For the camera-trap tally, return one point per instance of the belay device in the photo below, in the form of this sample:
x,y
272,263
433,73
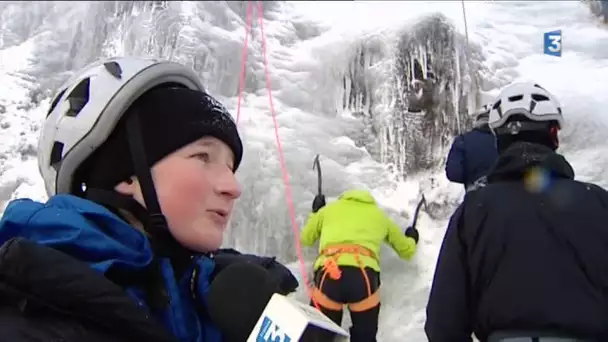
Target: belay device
x,y
319,201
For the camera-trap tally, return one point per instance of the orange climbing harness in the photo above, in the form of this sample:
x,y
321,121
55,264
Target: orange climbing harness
x,y
330,267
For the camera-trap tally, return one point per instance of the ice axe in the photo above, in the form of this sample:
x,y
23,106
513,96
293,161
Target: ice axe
x,y
417,211
317,165
319,201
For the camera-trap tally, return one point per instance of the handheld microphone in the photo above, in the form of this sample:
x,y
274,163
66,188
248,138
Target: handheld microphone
x,y
237,296
244,304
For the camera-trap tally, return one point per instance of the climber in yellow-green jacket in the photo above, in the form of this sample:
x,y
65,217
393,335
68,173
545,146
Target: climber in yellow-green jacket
x,y
350,232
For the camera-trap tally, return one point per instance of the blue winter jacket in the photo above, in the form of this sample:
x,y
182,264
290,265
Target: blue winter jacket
x,y
91,233
471,156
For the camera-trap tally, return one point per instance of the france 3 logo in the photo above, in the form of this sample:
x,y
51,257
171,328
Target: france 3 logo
x,y
553,43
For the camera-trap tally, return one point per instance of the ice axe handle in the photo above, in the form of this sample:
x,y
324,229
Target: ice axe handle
x,y
317,165
319,201
417,211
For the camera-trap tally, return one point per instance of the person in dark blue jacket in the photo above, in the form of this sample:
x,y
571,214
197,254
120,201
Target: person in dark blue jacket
x,y
138,162
473,153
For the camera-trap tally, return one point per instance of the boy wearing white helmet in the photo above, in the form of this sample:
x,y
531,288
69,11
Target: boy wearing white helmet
x,y
138,161
524,258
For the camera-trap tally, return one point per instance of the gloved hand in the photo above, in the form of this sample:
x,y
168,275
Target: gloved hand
x,y
413,233
318,203
286,281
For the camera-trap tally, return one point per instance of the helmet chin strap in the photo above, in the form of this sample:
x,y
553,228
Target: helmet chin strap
x,y
156,224
156,220
152,218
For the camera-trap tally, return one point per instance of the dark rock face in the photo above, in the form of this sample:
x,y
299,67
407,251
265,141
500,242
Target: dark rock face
x,y
599,8
421,100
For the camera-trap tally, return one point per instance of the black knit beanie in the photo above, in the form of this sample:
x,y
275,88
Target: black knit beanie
x,y
170,118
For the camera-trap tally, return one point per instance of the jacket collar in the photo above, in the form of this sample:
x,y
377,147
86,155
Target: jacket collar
x,y
521,157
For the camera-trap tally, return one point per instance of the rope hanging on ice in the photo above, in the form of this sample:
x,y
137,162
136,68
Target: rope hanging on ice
x,y
288,195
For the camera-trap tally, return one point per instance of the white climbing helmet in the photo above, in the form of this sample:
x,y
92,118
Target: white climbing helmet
x,y
527,99
482,115
89,105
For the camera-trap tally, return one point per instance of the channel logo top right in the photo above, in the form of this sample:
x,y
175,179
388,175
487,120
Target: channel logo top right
x,y
553,43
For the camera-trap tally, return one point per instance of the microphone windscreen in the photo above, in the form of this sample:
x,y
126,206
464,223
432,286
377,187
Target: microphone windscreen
x,y
237,297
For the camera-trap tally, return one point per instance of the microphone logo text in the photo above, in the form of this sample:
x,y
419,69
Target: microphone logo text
x,y
270,332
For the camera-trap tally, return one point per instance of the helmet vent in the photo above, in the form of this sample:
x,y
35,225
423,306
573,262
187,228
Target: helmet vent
x,y
515,98
538,86
498,108
114,69
78,98
539,97
55,102
56,153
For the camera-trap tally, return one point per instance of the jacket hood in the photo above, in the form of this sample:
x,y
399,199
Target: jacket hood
x,y
362,196
514,162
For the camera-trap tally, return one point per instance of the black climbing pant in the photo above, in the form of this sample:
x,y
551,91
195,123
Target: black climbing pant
x,y
352,287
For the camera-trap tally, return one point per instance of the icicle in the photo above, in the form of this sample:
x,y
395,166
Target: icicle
x,y
425,65
412,67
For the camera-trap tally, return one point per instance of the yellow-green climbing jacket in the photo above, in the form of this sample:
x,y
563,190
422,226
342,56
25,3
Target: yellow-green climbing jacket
x,y
356,219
